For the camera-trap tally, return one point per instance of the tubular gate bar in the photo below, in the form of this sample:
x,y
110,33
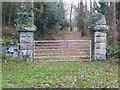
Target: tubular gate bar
x,y
62,50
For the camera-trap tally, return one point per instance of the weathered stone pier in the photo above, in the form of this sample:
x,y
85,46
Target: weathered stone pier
x,y
100,39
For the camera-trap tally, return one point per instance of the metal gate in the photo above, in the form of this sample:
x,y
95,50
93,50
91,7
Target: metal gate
x,y
62,50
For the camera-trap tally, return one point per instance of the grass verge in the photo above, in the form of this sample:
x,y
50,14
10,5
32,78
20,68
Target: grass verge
x,y
59,74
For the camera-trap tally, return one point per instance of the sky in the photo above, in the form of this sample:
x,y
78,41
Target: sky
x,y
75,2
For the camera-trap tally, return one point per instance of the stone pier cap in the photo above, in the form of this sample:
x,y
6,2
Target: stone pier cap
x,y
101,27
27,29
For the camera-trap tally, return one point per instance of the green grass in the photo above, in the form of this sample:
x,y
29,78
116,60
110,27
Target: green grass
x,y
59,74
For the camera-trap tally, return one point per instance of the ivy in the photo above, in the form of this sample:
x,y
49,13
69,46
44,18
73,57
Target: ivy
x,y
104,7
95,18
24,20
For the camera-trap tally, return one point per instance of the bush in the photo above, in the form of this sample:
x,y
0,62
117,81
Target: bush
x,y
113,51
10,59
113,60
26,58
5,41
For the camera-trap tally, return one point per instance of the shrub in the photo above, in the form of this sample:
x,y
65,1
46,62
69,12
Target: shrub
x,y
5,41
113,51
11,59
25,58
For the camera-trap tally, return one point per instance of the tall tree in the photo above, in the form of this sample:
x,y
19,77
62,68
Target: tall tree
x,y
48,16
10,11
71,9
9,22
81,22
86,19
118,19
80,17
112,23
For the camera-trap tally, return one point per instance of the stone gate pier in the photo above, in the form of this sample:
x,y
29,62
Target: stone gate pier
x,y
100,39
25,26
26,41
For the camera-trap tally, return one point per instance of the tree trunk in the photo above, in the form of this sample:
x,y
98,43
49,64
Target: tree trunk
x,y
9,21
4,18
118,20
114,30
71,16
32,3
85,16
91,32
82,29
112,23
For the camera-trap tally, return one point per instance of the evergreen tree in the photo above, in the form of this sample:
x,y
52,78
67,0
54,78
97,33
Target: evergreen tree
x,y
47,15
